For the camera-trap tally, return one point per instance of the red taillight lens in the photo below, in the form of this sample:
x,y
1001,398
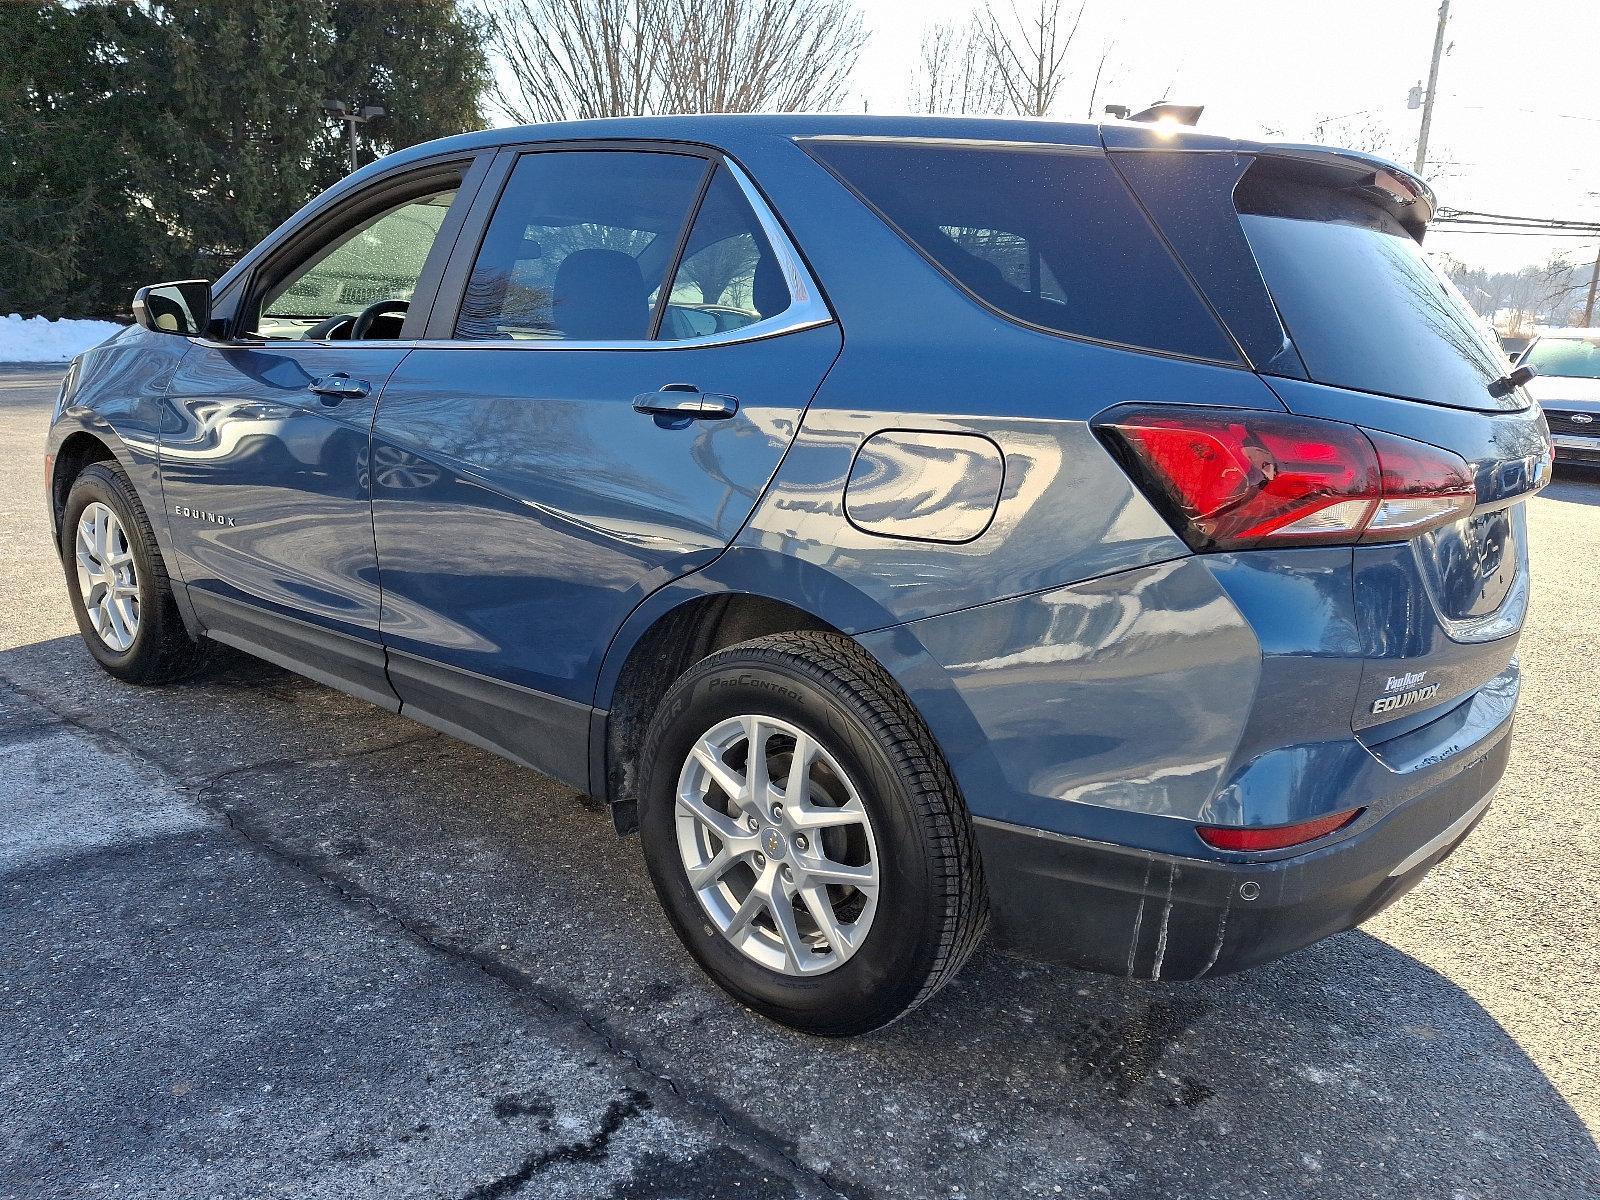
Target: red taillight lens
x,y
1423,486
1274,837
1230,479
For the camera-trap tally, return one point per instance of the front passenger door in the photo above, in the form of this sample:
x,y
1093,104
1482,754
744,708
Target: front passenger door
x,y
265,447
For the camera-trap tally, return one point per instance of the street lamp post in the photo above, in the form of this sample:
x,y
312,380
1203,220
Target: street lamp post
x,y
352,116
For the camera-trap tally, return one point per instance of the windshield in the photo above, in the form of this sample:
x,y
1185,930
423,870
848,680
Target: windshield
x,y
1365,307
1566,357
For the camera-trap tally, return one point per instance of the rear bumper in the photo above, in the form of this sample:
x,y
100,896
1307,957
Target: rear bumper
x,y
1123,911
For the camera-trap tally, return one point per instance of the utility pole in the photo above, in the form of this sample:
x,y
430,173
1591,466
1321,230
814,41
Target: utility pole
x,y
1594,285
340,111
1433,86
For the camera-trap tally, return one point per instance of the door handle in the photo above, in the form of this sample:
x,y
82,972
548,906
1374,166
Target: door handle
x,y
338,386
686,400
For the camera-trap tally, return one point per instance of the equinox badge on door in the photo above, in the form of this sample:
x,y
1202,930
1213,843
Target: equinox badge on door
x,y
201,515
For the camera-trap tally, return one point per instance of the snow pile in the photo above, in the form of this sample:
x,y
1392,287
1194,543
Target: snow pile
x,y
39,339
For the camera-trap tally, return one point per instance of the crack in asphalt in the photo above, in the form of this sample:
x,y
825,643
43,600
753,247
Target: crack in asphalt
x,y
593,1148
439,941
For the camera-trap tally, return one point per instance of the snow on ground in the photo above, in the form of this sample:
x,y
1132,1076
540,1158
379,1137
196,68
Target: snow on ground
x,y
39,339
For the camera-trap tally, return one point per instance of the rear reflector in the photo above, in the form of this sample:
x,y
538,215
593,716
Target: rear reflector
x,y
1231,479
1274,837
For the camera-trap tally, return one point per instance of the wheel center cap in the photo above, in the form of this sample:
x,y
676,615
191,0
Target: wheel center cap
x,y
774,844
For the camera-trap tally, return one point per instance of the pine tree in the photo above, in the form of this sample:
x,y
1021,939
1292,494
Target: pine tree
x,y
163,139
63,210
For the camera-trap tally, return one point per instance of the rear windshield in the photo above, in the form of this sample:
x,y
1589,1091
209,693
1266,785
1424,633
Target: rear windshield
x,y
1566,358
1365,307
1049,237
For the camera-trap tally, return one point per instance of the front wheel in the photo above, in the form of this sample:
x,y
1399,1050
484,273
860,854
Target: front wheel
x,y
120,592
805,837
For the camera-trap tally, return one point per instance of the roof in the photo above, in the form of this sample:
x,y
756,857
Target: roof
x,y
715,128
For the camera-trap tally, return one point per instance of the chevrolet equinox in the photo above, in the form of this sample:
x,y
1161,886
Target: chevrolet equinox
x,y
1107,538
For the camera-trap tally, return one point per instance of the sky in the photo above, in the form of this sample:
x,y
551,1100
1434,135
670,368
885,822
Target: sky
x,y
1516,126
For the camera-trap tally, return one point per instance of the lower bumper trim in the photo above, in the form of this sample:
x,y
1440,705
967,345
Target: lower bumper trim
x,y
1125,911
1457,830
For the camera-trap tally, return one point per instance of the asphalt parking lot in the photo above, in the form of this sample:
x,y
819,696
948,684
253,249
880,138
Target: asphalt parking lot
x,y
261,939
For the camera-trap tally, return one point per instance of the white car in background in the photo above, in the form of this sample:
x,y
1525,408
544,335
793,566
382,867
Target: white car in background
x,y
1567,387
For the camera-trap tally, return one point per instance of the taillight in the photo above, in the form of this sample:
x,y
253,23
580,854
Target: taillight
x,y
1423,487
1232,479
1274,837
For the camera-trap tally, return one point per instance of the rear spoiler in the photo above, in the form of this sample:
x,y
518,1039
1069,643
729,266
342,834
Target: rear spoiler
x,y
1398,191
1401,193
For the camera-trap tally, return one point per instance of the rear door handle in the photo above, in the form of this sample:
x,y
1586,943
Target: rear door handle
x,y
339,386
686,400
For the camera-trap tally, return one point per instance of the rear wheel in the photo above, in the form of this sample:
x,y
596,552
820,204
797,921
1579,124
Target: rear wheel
x,y
120,592
805,837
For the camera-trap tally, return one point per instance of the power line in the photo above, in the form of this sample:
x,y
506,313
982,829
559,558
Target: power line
x,y
1580,234
1456,220
1498,216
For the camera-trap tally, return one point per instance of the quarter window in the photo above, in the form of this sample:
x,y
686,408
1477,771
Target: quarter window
x,y
1047,236
730,277
579,245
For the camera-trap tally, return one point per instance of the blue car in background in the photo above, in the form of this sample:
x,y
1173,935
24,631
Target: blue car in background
x,y
1105,537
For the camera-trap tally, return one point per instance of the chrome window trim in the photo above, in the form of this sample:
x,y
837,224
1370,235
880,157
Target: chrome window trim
x,y
967,142
807,309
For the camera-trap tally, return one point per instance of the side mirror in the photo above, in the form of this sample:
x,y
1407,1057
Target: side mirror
x,y
182,308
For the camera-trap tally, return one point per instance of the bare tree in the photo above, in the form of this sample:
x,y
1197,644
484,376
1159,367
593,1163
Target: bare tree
x,y
564,59
758,55
567,59
1028,50
954,73
1106,50
1563,282
1358,131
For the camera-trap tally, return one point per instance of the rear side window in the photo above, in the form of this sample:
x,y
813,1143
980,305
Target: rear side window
x,y
1365,307
1048,236
579,244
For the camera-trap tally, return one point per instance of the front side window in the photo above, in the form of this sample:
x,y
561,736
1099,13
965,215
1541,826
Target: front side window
x,y
1046,235
1566,357
377,263
580,242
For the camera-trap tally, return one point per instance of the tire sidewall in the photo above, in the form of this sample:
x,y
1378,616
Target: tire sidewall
x,y
98,483
887,971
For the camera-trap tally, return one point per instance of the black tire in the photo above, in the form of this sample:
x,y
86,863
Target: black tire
x,y
161,650
932,906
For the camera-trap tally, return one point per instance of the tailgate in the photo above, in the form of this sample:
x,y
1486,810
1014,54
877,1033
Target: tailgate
x,y
1438,615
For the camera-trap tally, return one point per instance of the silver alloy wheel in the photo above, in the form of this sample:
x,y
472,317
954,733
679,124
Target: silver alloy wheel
x,y
777,845
107,578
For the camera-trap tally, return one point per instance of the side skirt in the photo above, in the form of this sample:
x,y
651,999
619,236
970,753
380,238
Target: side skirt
x,y
338,660
533,729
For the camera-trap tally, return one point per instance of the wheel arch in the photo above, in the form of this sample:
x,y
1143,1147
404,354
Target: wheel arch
x,y
82,437
746,593
668,646
78,450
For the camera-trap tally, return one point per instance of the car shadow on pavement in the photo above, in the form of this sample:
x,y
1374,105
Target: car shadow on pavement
x,y
1574,485
1350,1069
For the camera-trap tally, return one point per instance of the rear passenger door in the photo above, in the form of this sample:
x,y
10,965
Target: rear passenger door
x,y
614,368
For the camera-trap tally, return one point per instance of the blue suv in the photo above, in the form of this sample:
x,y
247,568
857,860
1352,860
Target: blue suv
x,y
1105,537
